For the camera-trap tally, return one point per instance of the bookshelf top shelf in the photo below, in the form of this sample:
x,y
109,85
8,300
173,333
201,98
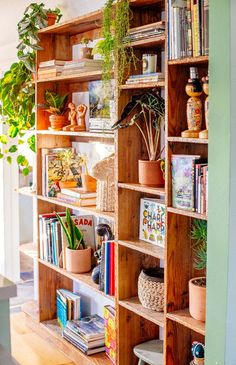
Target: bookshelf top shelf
x,y
77,25
75,77
189,60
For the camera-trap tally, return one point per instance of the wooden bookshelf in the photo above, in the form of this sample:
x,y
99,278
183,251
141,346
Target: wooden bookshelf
x,y
89,135
189,61
144,247
73,78
183,317
142,189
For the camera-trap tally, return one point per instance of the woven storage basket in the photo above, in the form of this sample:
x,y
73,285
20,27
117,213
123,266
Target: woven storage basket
x,y
151,289
104,172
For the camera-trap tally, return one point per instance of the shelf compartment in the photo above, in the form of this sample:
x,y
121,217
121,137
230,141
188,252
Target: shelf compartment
x,y
189,60
77,25
142,189
187,140
77,134
89,210
144,247
134,305
187,213
143,86
149,42
53,331
84,279
183,317
76,77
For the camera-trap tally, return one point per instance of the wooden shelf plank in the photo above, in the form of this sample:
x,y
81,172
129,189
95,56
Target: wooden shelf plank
x,y
143,86
145,2
77,134
75,77
187,140
149,42
134,305
89,210
183,317
54,332
189,60
77,25
27,192
85,279
142,189
144,247
187,213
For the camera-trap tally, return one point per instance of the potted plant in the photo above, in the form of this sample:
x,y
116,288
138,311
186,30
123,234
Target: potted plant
x,y
56,105
197,286
147,112
53,16
78,255
85,51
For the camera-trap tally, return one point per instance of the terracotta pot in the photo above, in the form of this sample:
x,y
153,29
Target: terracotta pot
x,y
89,183
67,184
51,19
57,122
150,173
197,299
86,52
78,261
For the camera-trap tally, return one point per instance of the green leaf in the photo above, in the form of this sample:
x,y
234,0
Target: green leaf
x,y
65,230
13,149
20,159
9,160
3,139
1,155
13,131
25,171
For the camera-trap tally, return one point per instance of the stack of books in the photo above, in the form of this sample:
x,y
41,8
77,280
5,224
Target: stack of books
x,y
146,78
53,240
188,28
68,306
107,273
146,31
83,65
87,334
77,197
50,68
190,183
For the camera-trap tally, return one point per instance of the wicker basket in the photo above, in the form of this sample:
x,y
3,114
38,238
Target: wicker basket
x,y
151,289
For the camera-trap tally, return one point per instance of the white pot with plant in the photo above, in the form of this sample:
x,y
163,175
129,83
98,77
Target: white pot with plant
x,y
197,285
147,113
78,255
85,51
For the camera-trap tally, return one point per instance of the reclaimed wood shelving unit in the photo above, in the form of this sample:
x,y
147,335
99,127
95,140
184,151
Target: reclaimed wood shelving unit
x,y
135,324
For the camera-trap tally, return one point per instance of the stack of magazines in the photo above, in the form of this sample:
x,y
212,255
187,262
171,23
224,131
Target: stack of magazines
x,y
145,31
87,334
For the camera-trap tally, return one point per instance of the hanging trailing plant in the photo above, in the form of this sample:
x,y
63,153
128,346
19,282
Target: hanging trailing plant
x,y
114,47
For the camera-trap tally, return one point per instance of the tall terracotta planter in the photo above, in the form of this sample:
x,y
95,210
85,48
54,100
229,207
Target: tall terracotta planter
x,y
51,19
78,261
150,173
197,299
57,122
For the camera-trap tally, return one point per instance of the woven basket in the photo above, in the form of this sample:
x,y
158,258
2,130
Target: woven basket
x,y
151,289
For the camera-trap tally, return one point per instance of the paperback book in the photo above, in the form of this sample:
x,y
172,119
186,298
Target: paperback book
x,y
110,332
68,306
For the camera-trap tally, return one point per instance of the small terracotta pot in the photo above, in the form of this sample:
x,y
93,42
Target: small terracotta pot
x,y
150,173
67,184
89,183
57,122
86,52
78,261
51,19
197,299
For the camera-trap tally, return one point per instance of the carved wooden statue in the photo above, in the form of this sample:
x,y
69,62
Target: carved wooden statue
x,y
80,112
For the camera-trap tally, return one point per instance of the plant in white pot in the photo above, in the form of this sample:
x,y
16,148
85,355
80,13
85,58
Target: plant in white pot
x,y
78,255
197,286
147,113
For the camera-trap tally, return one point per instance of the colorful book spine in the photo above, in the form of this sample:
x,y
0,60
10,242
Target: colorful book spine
x,y
205,27
110,332
189,30
107,268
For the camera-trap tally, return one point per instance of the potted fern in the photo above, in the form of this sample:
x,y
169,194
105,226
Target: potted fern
x,y
147,112
56,105
78,255
197,286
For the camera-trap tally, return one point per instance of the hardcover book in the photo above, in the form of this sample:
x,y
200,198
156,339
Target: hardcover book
x,y
152,221
183,184
110,332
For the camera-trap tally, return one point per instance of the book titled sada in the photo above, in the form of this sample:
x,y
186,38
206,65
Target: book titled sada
x,y
152,221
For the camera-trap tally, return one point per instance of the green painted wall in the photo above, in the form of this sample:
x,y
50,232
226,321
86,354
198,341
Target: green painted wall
x,y
219,181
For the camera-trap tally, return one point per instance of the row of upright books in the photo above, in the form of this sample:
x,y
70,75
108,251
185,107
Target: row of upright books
x,y
190,183
53,68
188,28
107,268
53,241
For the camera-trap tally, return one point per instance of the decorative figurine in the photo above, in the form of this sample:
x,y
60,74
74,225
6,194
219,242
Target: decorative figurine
x,y
72,117
75,126
205,80
198,351
82,110
194,105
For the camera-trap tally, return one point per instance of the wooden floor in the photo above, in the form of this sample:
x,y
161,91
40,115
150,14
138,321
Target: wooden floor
x,y
28,348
